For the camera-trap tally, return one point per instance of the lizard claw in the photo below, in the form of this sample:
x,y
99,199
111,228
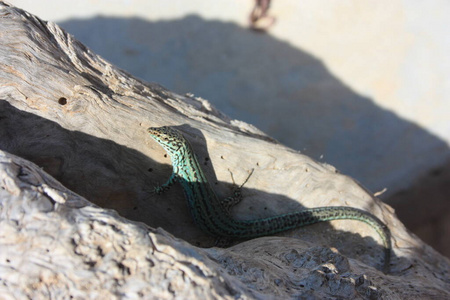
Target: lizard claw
x,y
159,189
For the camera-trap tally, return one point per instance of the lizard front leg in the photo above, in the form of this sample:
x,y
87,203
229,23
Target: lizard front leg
x,y
159,189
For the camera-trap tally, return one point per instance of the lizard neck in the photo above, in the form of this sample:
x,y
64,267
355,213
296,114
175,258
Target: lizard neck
x,y
186,166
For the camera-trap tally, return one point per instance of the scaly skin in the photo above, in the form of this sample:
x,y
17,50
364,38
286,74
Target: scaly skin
x,y
213,216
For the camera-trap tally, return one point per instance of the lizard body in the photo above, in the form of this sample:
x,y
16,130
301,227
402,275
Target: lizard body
x,y
213,216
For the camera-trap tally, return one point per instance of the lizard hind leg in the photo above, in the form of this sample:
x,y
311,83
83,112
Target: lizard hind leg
x,y
224,242
237,197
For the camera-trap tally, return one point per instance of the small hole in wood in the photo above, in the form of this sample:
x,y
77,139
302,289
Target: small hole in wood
x,y
62,101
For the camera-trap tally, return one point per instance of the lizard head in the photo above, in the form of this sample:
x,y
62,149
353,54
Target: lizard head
x,y
169,138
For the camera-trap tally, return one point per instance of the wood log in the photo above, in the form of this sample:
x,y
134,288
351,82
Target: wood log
x,y
78,212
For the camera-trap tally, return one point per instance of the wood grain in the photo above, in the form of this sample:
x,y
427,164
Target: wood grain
x,y
83,122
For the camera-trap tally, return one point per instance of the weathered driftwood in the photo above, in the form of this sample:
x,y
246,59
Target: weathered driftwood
x,y
84,122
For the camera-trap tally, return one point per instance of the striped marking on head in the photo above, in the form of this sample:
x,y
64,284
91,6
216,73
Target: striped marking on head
x,y
169,138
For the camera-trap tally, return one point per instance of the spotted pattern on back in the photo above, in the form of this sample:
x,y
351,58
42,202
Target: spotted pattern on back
x,y
213,217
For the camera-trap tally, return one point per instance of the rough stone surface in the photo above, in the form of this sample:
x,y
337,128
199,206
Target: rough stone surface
x,y
83,121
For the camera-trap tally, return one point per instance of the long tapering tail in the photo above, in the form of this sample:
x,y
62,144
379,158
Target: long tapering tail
x,y
276,224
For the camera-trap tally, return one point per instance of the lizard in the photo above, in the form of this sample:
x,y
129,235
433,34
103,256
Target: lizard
x,y
213,216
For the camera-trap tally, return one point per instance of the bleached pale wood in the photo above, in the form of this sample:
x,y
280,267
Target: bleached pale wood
x,y
56,245
84,122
